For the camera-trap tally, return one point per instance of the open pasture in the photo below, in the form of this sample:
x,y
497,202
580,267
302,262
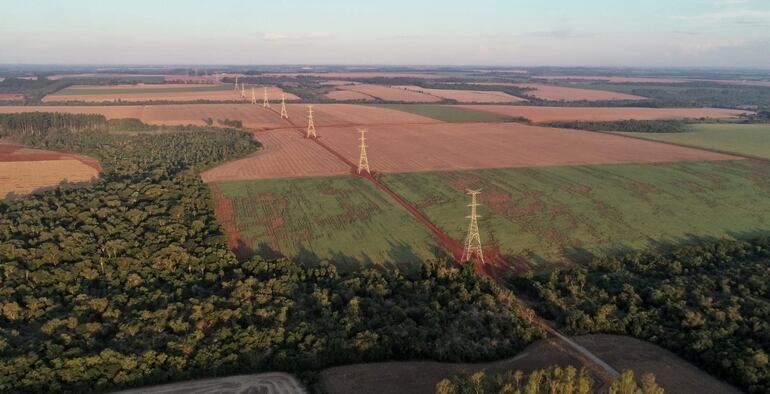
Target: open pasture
x,y
466,96
743,139
23,170
345,219
558,214
554,114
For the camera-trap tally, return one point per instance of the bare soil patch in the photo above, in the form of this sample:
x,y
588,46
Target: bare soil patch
x,y
10,96
388,93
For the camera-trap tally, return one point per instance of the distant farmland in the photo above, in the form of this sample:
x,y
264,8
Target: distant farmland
x,y
344,219
165,92
745,139
556,213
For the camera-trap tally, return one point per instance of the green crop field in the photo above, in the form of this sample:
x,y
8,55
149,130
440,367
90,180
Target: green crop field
x,y
556,214
341,218
78,92
448,113
746,139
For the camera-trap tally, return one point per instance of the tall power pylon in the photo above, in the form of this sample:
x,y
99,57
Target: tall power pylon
x,y
284,113
253,96
235,87
243,90
363,160
473,240
310,125
266,101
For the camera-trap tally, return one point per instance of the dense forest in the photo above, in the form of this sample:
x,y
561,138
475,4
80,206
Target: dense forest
x,y
554,379
709,303
129,281
643,126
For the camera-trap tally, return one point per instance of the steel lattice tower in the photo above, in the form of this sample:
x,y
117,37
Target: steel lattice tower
x,y
243,90
266,102
284,113
235,87
310,125
473,240
253,96
363,160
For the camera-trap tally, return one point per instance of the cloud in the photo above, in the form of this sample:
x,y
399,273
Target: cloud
x,y
735,16
565,33
269,36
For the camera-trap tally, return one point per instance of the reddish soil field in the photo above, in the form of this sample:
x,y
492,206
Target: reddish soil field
x,y
273,93
345,95
253,116
23,170
553,114
285,154
447,147
388,93
467,96
10,96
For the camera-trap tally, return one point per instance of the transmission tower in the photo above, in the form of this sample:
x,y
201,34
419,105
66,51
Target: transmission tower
x,y
235,87
253,96
363,161
310,125
266,102
284,113
243,90
473,240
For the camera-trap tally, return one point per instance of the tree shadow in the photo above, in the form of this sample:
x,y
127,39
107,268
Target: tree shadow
x,y
242,250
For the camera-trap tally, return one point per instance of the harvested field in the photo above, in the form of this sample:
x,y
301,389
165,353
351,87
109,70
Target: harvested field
x,y
11,96
387,93
612,79
467,96
345,95
446,147
554,114
166,92
253,116
417,377
346,220
284,154
743,139
23,170
557,215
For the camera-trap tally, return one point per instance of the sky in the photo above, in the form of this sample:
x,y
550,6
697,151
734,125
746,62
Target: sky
x,y
639,33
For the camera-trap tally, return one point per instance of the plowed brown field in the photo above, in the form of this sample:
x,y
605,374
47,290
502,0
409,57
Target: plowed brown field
x,y
10,96
467,96
553,114
23,170
285,154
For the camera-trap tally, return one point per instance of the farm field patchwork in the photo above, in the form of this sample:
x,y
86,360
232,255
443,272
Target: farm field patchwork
x,y
341,218
446,113
553,114
467,96
560,93
745,139
23,170
167,92
543,215
388,93
253,116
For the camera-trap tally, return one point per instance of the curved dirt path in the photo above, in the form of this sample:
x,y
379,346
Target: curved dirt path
x,y
264,383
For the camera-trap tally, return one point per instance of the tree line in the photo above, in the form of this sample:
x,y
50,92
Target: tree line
x,y
128,281
550,380
640,126
709,303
